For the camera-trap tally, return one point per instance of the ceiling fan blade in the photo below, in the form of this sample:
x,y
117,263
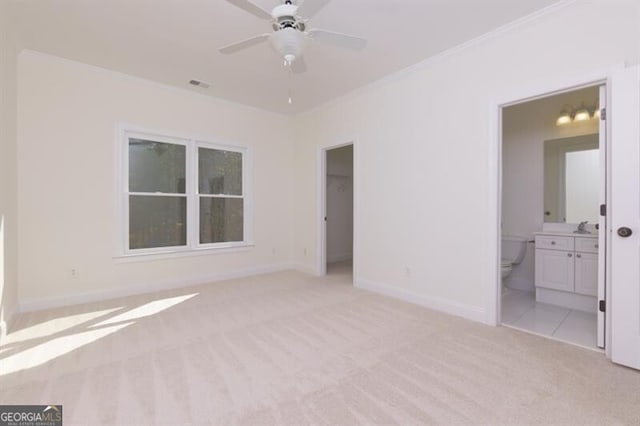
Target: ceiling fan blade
x,y
236,47
308,8
338,39
252,8
299,66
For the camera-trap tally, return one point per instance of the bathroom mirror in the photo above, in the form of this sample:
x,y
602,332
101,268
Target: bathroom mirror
x,y
571,179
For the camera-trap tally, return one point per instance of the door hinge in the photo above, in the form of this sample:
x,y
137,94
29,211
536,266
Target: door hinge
x,y
602,306
603,209
603,114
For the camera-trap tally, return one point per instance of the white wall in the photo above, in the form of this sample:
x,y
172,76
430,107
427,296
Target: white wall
x,y
425,184
340,204
67,118
525,129
8,176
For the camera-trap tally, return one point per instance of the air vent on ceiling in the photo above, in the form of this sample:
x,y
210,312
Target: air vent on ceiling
x,y
199,83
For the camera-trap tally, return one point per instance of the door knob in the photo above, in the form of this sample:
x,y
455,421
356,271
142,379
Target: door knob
x,y
625,232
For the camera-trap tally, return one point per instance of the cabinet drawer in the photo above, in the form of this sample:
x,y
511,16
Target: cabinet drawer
x,y
554,242
587,245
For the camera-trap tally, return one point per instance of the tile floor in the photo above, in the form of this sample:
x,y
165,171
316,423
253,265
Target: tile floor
x,y
520,310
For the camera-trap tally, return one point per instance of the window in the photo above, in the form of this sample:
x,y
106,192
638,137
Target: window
x,y
183,194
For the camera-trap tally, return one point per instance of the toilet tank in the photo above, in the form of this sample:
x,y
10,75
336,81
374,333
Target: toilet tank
x,y
514,248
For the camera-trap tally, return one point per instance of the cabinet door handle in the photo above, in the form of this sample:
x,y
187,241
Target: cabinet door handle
x,y
578,256
597,245
553,243
569,254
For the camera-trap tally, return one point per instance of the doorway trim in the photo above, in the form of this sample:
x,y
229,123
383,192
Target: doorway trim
x,y
493,293
321,252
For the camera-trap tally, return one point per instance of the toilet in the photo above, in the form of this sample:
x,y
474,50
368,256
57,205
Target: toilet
x,y
513,250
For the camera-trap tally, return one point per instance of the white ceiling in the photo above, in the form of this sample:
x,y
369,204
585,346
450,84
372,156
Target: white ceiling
x,y
174,41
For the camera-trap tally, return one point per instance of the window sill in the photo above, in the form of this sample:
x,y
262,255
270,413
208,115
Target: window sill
x,y
173,254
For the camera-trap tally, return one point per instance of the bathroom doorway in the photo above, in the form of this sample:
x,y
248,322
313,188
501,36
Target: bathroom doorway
x,y
552,251
338,206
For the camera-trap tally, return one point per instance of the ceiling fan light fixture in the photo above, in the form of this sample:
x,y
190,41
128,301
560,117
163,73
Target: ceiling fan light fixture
x,y
289,43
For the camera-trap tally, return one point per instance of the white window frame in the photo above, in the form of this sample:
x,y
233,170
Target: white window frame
x,y
193,245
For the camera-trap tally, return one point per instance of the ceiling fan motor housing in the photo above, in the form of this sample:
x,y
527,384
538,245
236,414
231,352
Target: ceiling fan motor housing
x,y
284,10
285,16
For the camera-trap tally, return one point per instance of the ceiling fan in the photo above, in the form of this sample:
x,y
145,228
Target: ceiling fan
x,y
290,33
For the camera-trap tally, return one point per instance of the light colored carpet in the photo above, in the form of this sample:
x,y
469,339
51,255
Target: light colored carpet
x,y
291,349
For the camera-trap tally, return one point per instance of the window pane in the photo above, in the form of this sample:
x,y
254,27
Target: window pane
x,y
221,220
156,167
157,221
219,172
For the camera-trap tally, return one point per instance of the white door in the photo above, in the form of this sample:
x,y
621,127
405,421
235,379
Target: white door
x,y
624,209
603,221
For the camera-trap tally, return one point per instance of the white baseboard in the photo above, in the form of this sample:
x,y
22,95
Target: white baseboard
x,y
339,257
469,312
579,302
38,304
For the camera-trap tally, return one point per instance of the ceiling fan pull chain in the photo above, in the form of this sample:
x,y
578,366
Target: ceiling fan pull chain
x,y
290,100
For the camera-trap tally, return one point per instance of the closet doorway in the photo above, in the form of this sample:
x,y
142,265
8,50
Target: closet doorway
x,y
337,220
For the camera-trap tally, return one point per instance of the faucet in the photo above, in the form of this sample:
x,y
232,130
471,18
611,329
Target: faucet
x,y
581,228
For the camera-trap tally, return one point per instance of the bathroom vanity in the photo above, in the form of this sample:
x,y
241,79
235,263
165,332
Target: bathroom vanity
x,y
566,269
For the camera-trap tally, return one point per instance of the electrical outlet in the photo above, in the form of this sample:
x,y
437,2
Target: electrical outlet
x,y
74,273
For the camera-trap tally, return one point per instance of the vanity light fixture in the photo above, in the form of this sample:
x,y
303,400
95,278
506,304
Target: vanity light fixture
x,y
582,113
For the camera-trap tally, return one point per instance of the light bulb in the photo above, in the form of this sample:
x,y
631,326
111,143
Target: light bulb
x,y
564,118
582,115
290,100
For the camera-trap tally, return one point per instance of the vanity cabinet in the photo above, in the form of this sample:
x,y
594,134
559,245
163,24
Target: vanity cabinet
x,y
567,263
586,274
555,269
